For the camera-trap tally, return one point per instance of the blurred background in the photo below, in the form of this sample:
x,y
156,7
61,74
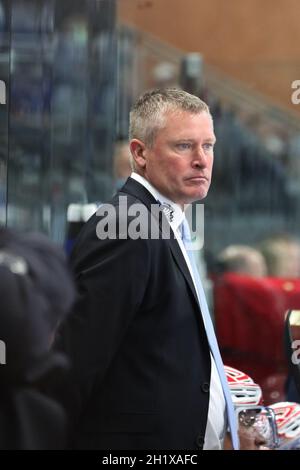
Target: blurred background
x,y
72,69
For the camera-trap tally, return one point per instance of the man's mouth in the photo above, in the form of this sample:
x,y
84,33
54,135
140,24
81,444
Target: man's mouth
x,y
198,179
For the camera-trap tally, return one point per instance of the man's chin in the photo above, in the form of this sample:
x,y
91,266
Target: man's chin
x,y
195,198
200,195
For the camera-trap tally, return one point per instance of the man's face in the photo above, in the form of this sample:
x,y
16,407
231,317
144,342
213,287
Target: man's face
x,y
251,439
179,163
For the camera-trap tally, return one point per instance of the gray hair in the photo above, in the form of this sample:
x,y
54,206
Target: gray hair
x,y
242,259
147,115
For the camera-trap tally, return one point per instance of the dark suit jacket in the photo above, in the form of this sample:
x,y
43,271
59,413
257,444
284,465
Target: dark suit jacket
x,y
137,341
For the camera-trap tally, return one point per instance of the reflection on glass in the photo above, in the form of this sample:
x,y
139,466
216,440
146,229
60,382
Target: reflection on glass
x,y
62,71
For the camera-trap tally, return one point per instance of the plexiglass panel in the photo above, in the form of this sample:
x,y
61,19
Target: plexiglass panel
x,y
62,119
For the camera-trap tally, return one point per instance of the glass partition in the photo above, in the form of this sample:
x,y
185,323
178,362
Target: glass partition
x,y
62,109
70,70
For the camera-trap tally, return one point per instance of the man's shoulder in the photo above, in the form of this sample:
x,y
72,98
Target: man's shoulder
x,y
119,206
112,221
131,215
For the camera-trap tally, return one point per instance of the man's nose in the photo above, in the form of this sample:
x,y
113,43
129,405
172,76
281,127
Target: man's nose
x,y
199,158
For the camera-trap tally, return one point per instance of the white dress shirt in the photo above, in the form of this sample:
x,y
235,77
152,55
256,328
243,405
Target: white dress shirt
x,y
216,421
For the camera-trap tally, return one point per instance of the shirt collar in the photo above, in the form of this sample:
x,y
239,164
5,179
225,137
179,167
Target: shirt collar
x,y
173,209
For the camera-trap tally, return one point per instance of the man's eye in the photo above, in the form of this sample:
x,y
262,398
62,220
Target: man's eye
x,y
247,418
208,146
184,146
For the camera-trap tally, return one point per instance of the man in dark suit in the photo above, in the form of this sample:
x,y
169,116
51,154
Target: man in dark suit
x,y
144,374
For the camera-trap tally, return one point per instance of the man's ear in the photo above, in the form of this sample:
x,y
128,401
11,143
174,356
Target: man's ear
x,y
138,151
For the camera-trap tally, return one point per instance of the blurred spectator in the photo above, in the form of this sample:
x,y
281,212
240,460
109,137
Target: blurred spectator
x,y
245,172
191,73
242,259
36,293
71,51
249,313
282,255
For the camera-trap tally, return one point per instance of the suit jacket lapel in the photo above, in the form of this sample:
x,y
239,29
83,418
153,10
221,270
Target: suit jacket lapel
x,y
137,190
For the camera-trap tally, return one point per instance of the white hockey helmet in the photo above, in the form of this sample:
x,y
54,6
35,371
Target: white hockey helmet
x,y
287,416
244,391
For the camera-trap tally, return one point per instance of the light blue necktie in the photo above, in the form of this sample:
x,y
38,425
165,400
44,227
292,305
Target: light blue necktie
x,y
232,421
